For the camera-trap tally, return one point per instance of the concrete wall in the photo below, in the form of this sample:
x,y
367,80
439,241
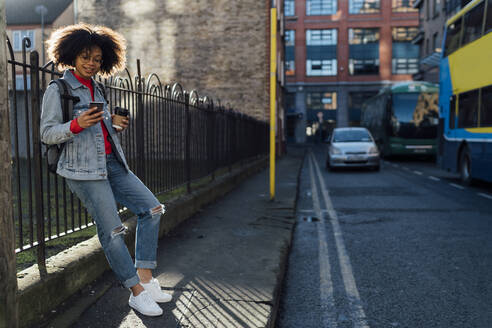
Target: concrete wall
x,y
216,47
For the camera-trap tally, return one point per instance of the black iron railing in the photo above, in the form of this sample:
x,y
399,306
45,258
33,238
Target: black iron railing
x,y
175,137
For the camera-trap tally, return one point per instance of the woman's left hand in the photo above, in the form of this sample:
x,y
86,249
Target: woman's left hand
x,y
120,121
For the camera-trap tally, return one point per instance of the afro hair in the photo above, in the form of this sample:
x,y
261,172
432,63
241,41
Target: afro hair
x,y
66,43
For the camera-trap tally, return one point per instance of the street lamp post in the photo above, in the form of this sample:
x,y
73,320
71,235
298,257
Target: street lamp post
x,y
273,96
42,10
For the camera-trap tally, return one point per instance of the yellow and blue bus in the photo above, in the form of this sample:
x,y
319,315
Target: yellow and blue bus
x,y
465,97
403,118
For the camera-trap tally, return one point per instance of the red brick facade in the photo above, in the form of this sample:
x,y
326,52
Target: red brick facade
x,y
300,85
342,21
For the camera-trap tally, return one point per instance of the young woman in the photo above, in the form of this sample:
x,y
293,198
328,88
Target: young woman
x,y
93,163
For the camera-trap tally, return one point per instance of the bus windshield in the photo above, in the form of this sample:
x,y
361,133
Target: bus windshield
x,y
416,108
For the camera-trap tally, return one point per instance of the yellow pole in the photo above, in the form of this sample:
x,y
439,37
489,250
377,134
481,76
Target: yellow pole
x,y
273,96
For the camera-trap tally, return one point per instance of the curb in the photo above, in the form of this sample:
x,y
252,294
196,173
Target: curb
x,y
76,267
284,256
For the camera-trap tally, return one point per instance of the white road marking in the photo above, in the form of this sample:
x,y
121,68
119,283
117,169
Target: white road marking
x,y
417,172
328,309
405,168
356,311
311,211
434,178
484,195
457,186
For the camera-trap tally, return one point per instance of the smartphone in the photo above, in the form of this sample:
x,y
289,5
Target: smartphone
x,y
98,104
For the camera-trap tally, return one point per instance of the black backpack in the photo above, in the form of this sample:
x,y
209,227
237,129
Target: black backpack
x,y
54,151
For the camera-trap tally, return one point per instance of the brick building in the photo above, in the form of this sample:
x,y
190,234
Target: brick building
x,y
220,48
339,53
433,15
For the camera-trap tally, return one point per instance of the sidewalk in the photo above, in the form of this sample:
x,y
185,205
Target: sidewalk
x,y
223,267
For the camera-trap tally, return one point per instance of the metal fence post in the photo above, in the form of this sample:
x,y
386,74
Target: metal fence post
x,y
187,142
38,178
232,142
201,137
213,138
140,117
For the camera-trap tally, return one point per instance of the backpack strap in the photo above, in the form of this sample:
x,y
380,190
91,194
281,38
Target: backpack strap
x,y
102,88
67,99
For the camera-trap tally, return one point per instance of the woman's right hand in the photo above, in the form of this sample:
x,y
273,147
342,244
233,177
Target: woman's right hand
x,y
90,117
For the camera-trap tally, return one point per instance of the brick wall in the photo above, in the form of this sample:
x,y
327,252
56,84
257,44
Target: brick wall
x,y
216,47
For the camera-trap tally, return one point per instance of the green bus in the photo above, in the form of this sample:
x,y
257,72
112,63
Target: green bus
x,y
403,118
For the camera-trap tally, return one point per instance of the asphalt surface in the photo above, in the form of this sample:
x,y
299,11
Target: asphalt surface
x,y
413,249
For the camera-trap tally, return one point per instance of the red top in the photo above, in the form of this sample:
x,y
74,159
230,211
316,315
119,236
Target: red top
x,y
76,128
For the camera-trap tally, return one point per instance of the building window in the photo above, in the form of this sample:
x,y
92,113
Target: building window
x,y
321,7
321,111
290,36
19,82
452,7
289,8
19,35
321,100
436,8
321,52
435,43
405,54
403,6
290,102
364,6
363,51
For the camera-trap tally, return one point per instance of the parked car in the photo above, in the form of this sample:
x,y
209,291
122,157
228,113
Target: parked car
x,y
352,147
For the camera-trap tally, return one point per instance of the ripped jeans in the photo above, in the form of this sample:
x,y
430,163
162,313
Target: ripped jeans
x,y
100,197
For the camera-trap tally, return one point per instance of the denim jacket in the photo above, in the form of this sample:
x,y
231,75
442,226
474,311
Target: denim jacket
x,y
84,156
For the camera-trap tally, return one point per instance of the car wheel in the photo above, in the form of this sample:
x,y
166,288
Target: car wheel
x,y
465,167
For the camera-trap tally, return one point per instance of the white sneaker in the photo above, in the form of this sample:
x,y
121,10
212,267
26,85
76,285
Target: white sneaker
x,y
154,289
144,304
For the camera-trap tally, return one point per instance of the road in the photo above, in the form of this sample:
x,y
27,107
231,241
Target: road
x,y
408,246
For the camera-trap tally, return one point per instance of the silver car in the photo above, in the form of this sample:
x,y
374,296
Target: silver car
x,y
352,147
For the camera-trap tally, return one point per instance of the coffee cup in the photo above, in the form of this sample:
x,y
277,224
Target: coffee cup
x,y
120,114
